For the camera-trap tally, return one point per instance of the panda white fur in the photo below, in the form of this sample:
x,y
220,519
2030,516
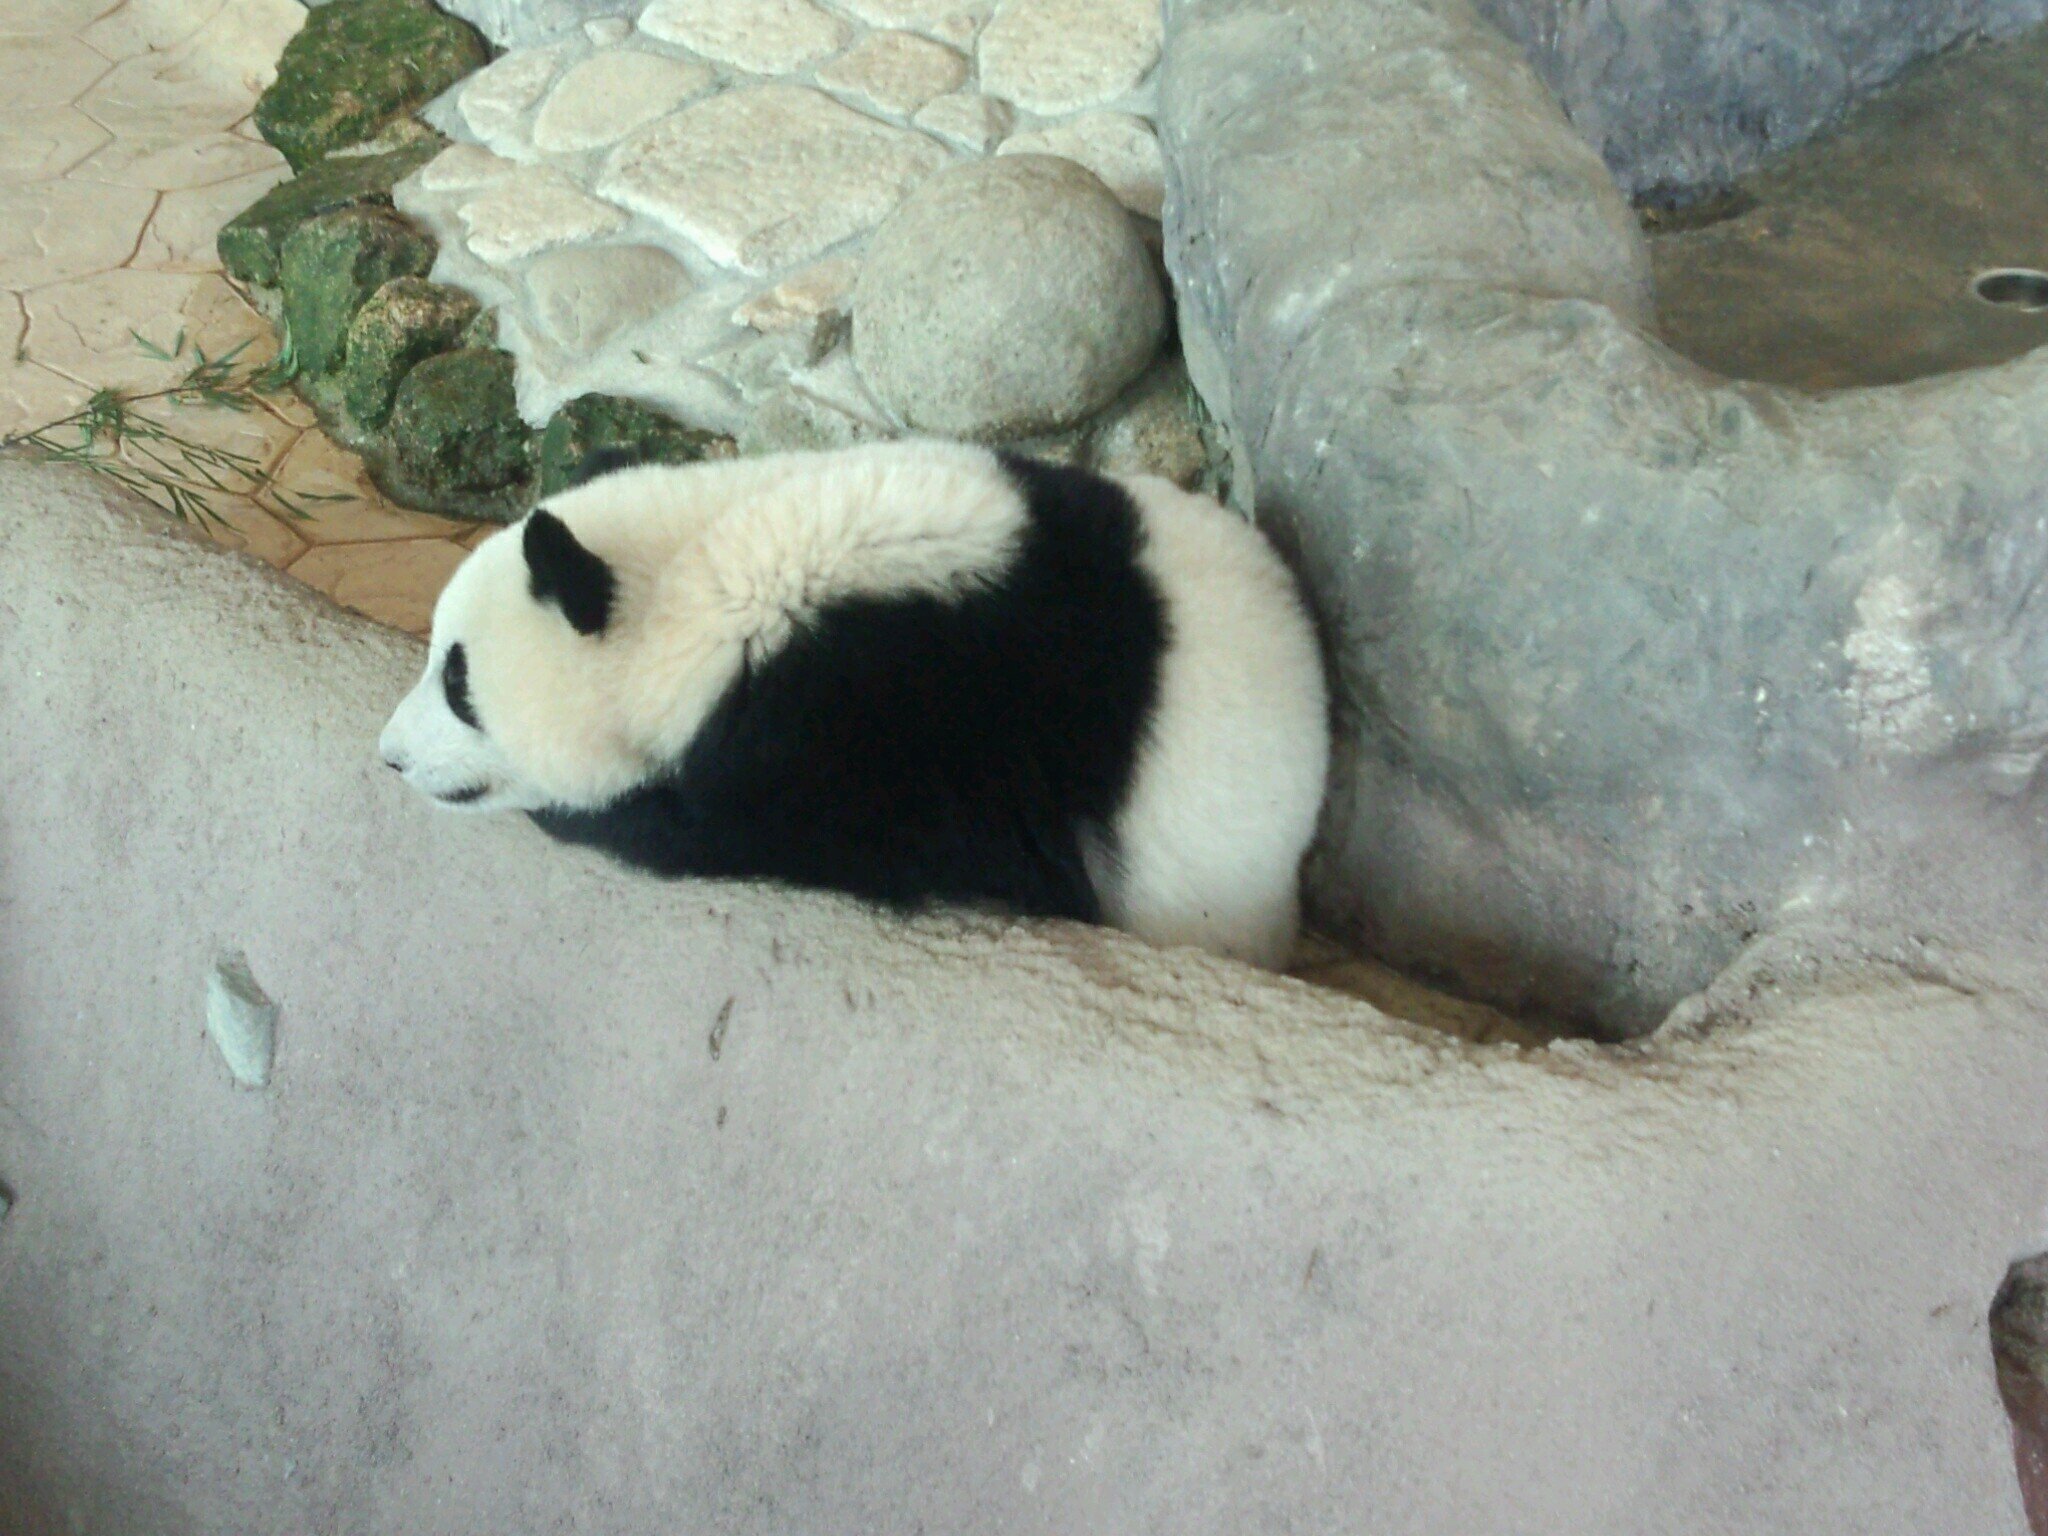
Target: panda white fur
x,y
916,672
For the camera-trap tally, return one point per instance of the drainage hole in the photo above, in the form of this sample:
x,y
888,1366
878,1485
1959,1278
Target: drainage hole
x,y
2019,288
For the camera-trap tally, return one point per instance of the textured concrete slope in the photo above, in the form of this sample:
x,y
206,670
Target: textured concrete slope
x,y
578,1203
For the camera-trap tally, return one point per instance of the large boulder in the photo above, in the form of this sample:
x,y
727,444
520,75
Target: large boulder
x,y
329,267
1006,297
356,65
1630,659
251,244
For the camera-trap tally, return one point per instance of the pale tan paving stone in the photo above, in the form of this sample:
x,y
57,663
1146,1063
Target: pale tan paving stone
x,y
1120,149
43,144
768,176
240,524
606,97
51,18
393,583
539,211
88,328
496,98
167,94
148,26
1060,56
59,231
181,233
931,16
463,167
318,467
38,73
968,119
802,298
178,162
894,72
32,396
763,37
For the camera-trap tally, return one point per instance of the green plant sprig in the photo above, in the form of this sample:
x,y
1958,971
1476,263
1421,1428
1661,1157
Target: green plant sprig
x,y
176,472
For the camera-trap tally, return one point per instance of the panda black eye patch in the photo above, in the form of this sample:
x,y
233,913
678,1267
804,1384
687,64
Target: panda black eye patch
x,y
455,684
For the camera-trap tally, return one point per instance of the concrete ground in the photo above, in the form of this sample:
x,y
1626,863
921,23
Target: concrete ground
x,y
1848,260
125,143
580,1202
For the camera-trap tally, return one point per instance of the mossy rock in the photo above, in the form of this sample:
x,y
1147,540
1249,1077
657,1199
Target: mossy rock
x,y
405,322
251,243
454,439
328,269
354,66
607,431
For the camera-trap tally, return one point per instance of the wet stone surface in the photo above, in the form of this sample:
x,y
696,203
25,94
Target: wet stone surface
x,y
1849,260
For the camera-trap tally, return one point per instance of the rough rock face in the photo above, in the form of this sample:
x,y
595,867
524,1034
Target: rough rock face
x,y
1629,659
354,66
329,267
405,322
1685,91
251,241
1006,296
456,437
604,423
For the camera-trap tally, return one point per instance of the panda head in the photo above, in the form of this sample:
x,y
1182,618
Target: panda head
x,y
524,703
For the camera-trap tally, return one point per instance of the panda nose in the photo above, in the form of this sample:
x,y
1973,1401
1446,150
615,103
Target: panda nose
x,y
395,764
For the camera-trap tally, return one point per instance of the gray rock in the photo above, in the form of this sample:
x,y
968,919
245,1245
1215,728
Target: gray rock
x,y
241,1020
1687,91
791,419
1155,429
1628,658
1006,297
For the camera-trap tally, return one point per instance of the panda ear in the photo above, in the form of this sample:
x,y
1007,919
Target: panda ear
x,y
563,572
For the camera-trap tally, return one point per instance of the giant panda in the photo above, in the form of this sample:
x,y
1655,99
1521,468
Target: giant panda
x,y
917,672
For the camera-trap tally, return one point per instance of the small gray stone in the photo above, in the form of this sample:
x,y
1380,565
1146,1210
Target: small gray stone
x,y
1006,297
792,420
242,1021
585,296
969,119
1152,430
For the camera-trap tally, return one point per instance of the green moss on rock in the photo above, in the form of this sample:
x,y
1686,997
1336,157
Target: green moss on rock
x,y
251,243
455,439
354,66
404,323
328,269
622,430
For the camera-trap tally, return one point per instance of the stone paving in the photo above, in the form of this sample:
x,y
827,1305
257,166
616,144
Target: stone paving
x,y
125,144
676,209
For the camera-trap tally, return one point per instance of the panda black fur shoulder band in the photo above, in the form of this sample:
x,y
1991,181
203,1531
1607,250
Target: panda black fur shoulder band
x,y
915,672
